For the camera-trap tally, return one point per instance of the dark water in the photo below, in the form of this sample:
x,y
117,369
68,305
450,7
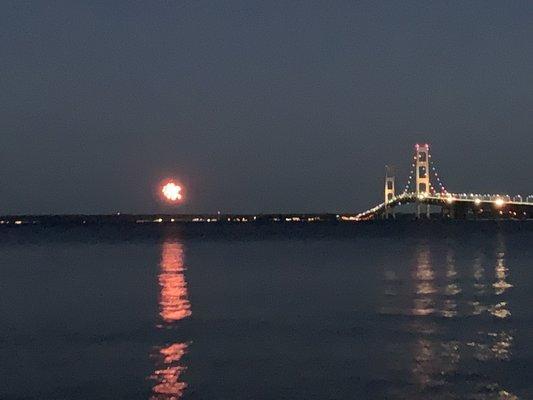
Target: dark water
x,y
429,311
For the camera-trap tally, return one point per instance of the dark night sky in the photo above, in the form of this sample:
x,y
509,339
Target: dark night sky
x,y
258,105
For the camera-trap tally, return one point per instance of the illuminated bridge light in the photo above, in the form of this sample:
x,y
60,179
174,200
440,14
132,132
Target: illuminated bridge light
x,y
477,201
499,202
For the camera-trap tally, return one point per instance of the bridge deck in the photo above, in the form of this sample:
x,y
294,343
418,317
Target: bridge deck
x,y
494,202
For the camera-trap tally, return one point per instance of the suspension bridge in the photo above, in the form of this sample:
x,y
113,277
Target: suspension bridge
x,y
425,189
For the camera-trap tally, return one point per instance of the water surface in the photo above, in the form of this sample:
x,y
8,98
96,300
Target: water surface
x,y
384,312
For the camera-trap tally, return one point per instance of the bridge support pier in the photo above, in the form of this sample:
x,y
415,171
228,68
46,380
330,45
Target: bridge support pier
x,y
447,212
419,212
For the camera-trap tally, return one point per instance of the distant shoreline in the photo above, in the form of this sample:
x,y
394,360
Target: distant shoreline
x,y
256,219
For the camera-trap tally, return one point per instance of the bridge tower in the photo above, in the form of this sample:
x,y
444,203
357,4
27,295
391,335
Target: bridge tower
x,y
422,176
390,192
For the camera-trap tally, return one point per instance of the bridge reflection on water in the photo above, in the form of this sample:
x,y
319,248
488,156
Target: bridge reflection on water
x,y
458,334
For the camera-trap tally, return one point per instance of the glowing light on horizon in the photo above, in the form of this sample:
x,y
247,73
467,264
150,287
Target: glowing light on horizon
x,y
172,192
499,202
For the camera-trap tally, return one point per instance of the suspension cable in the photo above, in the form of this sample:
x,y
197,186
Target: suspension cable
x,y
437,177
411,174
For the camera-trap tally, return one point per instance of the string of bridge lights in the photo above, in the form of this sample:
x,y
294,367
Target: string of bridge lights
x,y
434,170
411,174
